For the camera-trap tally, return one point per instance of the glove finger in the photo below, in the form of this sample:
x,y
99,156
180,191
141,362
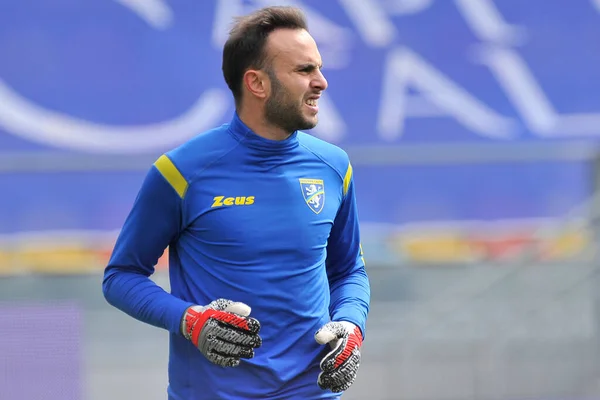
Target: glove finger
x,y
222,360
219,304
324,381
341,378
327,380
226,333
234,307
214,329
230,349
238,308
242,323
324,336
330,331
331,359
342,387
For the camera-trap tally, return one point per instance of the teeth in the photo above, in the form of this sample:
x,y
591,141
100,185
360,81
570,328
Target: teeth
x,y
311,102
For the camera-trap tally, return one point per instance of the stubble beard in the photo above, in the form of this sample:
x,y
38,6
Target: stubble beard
x,y
282,111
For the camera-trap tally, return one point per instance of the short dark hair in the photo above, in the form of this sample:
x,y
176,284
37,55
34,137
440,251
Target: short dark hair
x,y
245,47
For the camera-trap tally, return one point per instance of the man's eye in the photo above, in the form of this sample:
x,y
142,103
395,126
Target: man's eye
x,y
307,69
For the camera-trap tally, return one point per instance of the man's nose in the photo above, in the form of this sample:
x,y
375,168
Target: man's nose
x,y
320,82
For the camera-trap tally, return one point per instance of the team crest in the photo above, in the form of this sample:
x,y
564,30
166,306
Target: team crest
x,y
313,191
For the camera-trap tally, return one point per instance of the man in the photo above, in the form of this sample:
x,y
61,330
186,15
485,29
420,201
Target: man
x,y
259,217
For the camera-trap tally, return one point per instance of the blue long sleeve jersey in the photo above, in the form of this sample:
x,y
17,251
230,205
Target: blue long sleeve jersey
x,y
272,224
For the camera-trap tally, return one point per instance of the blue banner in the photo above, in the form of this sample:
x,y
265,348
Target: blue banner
x,y
127,77
124,78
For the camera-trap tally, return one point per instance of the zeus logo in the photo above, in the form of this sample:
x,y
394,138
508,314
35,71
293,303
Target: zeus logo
x,y
219,201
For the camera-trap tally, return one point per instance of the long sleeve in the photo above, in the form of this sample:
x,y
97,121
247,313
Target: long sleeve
x,y
153,223
348,281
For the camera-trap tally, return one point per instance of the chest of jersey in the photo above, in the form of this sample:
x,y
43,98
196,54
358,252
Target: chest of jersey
x,y
284,211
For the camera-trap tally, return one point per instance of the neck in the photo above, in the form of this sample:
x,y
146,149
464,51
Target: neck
x,y
255,120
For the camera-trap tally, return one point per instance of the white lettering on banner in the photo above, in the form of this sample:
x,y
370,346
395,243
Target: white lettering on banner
x,y
405,7
521,88
411,87
371,21
25,119
487,23
481,16
529,99
156,13
439,97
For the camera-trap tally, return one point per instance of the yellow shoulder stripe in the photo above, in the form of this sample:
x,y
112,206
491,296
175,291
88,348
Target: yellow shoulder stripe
x,y
170,172
362,254
347,178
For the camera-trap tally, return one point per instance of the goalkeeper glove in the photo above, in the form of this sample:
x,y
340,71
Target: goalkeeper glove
x,y
222,331
340,365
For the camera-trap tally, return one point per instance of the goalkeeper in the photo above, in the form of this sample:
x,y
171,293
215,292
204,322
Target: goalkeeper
x,y
269,294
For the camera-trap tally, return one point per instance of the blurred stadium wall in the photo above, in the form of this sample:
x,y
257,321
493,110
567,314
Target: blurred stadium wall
x,y
473,128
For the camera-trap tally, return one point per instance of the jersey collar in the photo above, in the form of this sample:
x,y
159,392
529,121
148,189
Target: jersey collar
x,y
242,133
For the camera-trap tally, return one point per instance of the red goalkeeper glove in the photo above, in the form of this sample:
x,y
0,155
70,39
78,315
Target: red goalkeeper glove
x,y
340,365
222,331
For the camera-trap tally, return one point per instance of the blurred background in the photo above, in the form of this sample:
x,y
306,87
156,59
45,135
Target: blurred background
x,y
473,127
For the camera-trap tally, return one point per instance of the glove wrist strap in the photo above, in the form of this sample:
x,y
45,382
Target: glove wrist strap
x,y
190,321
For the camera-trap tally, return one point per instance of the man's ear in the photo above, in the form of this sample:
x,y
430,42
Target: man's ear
x,y
257,83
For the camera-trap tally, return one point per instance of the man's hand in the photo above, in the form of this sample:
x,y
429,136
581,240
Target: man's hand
x,y
340,365
222,331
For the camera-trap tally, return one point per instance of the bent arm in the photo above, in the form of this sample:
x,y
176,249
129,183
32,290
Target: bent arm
x,y
348,280
153,223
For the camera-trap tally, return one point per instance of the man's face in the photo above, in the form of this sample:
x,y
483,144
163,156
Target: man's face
x,y
296,80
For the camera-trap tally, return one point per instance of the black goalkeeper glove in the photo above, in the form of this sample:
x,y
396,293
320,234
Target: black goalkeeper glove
x,y
222,331
340,365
